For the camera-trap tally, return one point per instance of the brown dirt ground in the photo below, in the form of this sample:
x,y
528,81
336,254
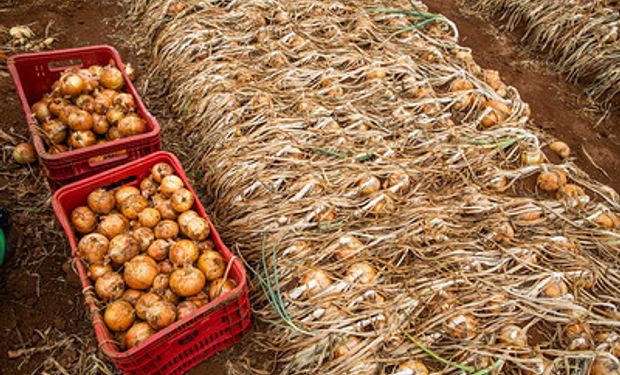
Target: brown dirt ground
x,y
558,107
40,296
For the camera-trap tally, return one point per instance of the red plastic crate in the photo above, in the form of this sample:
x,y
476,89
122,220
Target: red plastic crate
x,y
34,74
184,344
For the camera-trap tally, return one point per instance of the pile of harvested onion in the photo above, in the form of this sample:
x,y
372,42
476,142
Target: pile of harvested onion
x,y
149,254
87,107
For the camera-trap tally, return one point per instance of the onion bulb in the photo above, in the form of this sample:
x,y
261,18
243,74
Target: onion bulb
x,y
55,131
205,245
111,78
112,225
83,219
124,192
119,316
148,186
161,314
347,247
197,229
71,84
125,102
185,218
166,229
362,272
414,367
368,185
551,181
102,103
164,206
161,170
81,139
41,111
187,281
122,248
133,205
461,84
100,124
313,282
532,156
110,286
113,134
80,120
605,364
96,270
85,102
101,201
58,149
132,296
607,220
149,217
144,236
144,304
137,334
170,296
555,288
160,282
139,274
199,299
165,266
183,252
560,148
170,184
212,264
93,248
159,249
182,200
185,309
577,337
346,347
131,125
24,153
513,335
220,287
462,326
397,182
114,116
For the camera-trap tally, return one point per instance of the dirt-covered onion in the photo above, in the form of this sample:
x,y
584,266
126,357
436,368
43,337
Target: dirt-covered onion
x,y
185,218
101,201
512,335
58,149
577,337
138,333
123,193
93,248
462,326
160,282
182,200
110,286
347,247
144,303
170,184
139,274
102,104
166,266
161,314
148,186
131,125
197,229
368,185
183,252
119,316
111,78
112,225
71,84
55,131
185,309
199,299
114,116
161,170
551,180
159,249
122,248
164,206
96,270
346,347
145,237
413,367
132,296
131,206
220,287
362,273
82,138
560,148
80,120
605,364
607,220
313,282
24,153
41,111
149,217
187,281
83,219
212,264
166,229
125,101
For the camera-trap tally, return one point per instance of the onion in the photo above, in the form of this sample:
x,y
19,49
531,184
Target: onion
x,y
131,125
220,287
145,237
183,252
412,368
206,245
555,288
138,333
55,131
170,296
102,104
368,185
148,186
605,364
199,299
577,337
166,266
125,102
57,105
123,193
131,206
161,314
149,217
397,182
81,139
347,347
95,71
139,274
101,201
361,272
132,296
100,124
119,316
71,84
532,156
607,220
212,264
161,170
83,219
185,309
185,218
314,281
111,78
24,153
57,149
347,247
159,249
86,103
113,134
461,84
197,229
114,116
551,181
122,248
560,148
144,303
95,271
182,200
93,247
164,206
462,326
187,281
90,80
513,336
112,225
171,184
166,229
110,286
160,282
41,112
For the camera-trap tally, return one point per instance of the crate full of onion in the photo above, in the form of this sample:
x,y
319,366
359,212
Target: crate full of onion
x,y
83,112
163,291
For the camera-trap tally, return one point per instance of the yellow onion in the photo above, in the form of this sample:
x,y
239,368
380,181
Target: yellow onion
x,y
139,274
149,217
96,270
347,247
314,281
148,186
114,116
95,71
555,288
607,220
166,229
413,368
57,149
100,124
605,364
461,84
185,309
166,266
168,295
125,102
199,299
119,316
183,252
112,225
41,111
80,120
91,82
138,333
160,282
144,236
462,326
123,193
164,206
131,125
102,104
187,281
368,185
131,206
362,272
71,84
551,181
185,218
111,78
161,314
560,148
101,201
577,337
570,191
197,229
513,335
346,348
182,200
161,170
110,286
93,248
132,296
55,131
170,184
159,249
113,134
145,302
81,139
83,219
206,245
24,153
220,287
85,102
532,156
212,264
397,182
122,248
56,106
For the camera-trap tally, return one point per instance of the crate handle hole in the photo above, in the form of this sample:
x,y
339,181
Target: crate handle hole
x,y
110,158
189,338
55,66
